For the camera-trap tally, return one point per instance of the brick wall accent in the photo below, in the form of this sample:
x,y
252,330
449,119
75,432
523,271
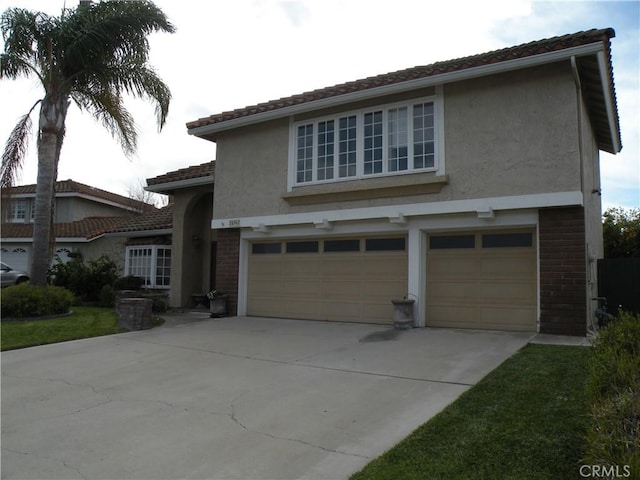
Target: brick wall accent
x,y
563,275
227,264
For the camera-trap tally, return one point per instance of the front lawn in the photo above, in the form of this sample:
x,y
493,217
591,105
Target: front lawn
x,y
84,322
526,420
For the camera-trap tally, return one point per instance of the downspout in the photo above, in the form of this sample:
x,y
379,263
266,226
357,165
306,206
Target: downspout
x,y
576,79
591,325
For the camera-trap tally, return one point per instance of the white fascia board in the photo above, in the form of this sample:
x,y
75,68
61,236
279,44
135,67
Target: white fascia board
x,y
75,239
604,80
140,233
191,182
58,240
440,79
16,240
541,200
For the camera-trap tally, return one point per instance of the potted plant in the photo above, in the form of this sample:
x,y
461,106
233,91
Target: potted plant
x,y
217,303
403,313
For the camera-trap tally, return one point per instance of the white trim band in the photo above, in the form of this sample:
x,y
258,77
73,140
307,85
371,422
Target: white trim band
x,y
478,205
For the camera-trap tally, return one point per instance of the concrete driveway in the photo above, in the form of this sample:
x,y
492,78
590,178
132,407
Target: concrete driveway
x,y
232,398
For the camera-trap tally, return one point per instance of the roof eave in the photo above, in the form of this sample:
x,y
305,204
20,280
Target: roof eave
x,y
141,233
438,79
170,186
608,103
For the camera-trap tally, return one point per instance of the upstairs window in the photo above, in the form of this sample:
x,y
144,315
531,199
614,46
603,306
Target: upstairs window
x,y
384,141
20,210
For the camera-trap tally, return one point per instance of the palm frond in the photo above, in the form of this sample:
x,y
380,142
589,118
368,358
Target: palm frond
x,y
111,30
109,110
26,36
15,150
138,81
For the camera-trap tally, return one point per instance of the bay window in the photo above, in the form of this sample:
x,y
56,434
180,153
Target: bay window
x,y
152,263
389,140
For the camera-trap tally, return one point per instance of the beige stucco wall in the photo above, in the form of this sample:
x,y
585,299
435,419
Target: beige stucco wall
x,y
74,208
508,134
191,259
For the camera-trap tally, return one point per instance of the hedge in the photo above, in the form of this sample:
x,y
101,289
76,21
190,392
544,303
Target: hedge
x,y
613,387
27,300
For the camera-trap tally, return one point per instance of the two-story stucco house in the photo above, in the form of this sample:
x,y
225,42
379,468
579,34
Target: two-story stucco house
x,y
471,186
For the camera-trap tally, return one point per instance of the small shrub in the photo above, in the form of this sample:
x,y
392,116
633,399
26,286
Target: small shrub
x,y
107,297
26,300
84,280
614,392
130,282
100,272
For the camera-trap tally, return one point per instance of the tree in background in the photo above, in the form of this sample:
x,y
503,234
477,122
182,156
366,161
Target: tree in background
x,y
92,55
621,232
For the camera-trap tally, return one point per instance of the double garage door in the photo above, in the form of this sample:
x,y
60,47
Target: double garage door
x,y
16,257
347,279
483,280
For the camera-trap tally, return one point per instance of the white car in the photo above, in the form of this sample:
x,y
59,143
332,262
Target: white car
x,y
10,276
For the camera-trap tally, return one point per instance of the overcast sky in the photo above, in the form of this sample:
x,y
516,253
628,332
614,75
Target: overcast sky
x,y
228,54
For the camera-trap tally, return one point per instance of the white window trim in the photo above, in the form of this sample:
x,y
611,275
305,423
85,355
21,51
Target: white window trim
x,y
154,263
438,167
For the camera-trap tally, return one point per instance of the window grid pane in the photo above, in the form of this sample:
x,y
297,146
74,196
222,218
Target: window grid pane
x,y
423,136
163,267
18,210
347,147
373,142
304,155
326,140
140,264
398,139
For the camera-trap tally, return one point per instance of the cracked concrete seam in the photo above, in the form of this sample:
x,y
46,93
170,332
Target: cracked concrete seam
x,y
234,418
53,459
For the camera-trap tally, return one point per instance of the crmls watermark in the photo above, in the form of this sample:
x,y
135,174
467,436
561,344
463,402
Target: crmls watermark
x,y
605,471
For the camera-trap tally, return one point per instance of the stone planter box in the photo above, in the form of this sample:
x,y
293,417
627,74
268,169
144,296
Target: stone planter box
x,y
135,313
218,306
403,314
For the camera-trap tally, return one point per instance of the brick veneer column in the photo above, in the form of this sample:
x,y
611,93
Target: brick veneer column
x,y
563,281
227,263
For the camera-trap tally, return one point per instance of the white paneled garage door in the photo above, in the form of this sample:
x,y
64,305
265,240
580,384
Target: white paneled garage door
x,y
346,279
16,257
482,280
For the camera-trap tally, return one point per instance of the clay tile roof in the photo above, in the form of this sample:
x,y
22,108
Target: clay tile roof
x,y
87,228
203,170
70,186
161,219
517,52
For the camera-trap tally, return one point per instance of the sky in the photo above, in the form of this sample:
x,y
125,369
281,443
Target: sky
x,y
228,54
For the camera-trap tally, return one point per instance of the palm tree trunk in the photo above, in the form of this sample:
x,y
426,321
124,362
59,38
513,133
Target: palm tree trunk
x,y
51,132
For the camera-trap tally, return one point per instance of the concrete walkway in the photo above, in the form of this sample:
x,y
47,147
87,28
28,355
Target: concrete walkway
x,y
232,398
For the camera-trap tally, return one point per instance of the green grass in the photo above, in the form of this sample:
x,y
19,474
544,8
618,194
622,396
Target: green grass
x,y
84,322
525,420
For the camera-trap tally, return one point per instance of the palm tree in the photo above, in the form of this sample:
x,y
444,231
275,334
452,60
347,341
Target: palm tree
x,y
92,55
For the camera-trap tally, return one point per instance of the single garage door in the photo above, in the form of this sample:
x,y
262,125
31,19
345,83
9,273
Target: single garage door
x,y
345,279
482,280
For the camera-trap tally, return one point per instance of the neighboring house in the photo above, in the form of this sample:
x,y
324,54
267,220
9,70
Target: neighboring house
x,y
470,185
83,215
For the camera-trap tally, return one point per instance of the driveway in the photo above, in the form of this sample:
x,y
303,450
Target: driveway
x,y
232,398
